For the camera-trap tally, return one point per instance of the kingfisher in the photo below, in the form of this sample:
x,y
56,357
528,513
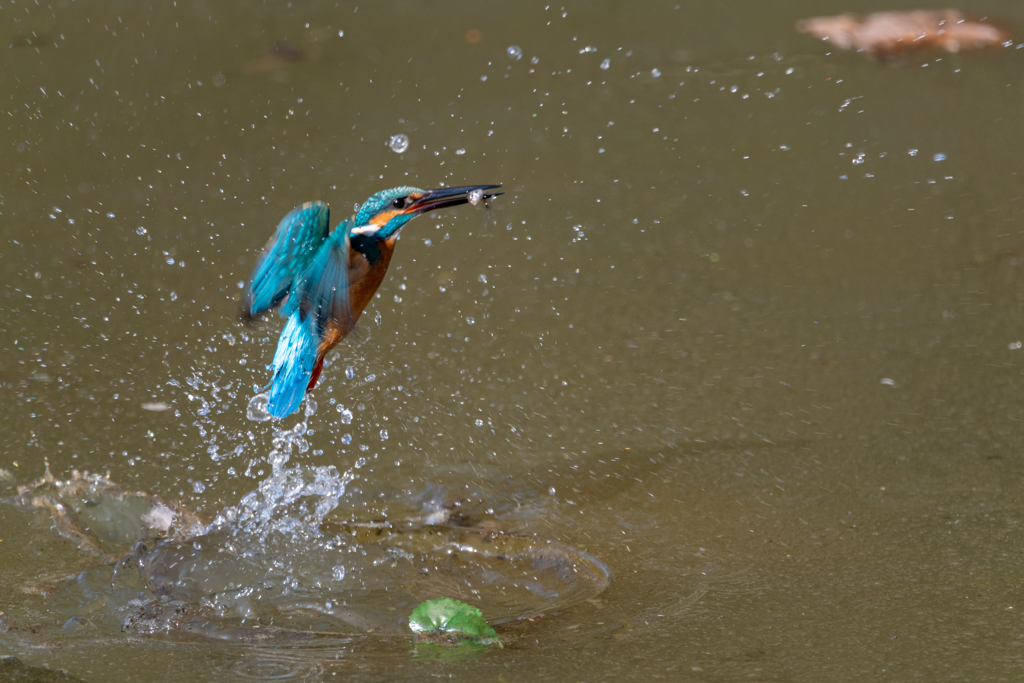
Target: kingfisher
x,y
321,279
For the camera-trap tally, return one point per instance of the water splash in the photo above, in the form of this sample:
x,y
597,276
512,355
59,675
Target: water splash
x,y
292,501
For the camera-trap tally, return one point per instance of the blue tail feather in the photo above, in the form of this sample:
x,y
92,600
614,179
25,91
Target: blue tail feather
x,y
293,364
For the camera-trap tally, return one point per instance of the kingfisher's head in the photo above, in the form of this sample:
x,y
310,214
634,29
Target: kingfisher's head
x,y
384,214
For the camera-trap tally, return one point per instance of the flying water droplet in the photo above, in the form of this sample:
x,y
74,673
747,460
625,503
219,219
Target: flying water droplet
x,y
141,230
470,321
656,73
475,197
383,435
606,64
338,572
346,415
257,409
514,52
347,439
399,143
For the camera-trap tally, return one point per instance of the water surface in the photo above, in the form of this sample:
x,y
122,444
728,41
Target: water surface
x,y
747,329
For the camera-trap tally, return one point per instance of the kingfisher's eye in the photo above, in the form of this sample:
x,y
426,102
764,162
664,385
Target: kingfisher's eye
x,y
399,203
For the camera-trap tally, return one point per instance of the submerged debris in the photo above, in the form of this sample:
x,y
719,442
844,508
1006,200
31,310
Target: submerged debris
x,y
101,518
890,33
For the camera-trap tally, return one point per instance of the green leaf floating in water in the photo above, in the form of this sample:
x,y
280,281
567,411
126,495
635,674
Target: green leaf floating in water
x,y
448,621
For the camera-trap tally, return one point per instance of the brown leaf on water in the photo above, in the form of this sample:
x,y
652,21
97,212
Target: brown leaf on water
x,y
890,33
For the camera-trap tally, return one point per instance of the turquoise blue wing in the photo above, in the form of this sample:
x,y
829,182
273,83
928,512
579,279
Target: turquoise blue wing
x,y
284,259
323,292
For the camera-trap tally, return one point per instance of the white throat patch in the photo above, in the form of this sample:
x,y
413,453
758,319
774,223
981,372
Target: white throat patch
x,y
366,229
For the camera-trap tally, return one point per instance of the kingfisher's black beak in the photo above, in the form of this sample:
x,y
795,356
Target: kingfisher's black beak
x,y
444,197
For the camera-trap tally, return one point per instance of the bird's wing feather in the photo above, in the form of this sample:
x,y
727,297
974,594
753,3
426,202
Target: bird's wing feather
x,y
324,290
286,256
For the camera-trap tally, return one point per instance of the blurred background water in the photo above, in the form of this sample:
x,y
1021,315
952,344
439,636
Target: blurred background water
x,y
747,328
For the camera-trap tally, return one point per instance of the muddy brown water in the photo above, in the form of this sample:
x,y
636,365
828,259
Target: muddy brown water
x,y
747,329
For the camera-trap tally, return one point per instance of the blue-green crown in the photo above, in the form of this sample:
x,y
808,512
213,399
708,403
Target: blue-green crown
x,y
384,202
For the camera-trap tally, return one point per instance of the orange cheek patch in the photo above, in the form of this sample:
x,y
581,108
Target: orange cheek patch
x,y
381,219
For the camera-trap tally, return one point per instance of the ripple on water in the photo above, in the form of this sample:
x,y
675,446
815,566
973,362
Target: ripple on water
x,y
276,665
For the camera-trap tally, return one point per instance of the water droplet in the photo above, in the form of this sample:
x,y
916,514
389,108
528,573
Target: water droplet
x,y
912,152
399,143
346,415
481,278
341,34
141,230
551,490
459,152
939,157
338,572
479,423
347,439
371,378
110,214
606,64
198,486
475,197
378,318
360,462
470,321
257,409
656,73
383,435
534,60
174,296
170,261
350,372
514,52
